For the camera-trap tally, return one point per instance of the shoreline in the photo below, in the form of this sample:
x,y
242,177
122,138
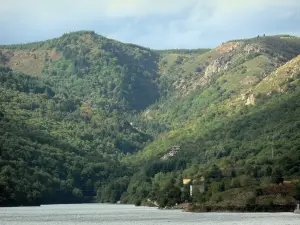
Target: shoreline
x,y
193,208
246,209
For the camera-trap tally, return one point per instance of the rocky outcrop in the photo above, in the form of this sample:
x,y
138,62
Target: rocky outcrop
x,y
228,46
219,64
248,98
250,48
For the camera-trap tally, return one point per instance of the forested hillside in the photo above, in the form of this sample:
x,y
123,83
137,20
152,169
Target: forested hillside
x,y
83,115
236,123
64,127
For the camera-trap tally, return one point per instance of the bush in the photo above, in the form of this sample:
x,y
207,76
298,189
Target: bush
x,y
276,176
77,193
138,202
179,60
198,70
243,71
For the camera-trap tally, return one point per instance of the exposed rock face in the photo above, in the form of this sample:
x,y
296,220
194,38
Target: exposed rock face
x,y
219,64
248,98
252,48
228,46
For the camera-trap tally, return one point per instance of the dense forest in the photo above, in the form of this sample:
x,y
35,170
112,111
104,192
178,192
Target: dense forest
x,y
85,118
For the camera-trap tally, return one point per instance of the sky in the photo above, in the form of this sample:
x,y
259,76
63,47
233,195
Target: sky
x,y
158,24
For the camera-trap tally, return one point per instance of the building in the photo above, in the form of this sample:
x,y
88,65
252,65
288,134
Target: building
x,y
200,187
186,181
195,184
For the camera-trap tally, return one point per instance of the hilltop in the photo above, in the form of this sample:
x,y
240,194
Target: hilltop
x,y
64,106
83,114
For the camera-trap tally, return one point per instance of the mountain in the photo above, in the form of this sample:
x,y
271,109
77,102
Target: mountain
x,y
63,114
229,76
82,114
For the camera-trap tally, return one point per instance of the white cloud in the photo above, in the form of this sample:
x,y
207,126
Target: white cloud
x,y
56,10
181,22
211,22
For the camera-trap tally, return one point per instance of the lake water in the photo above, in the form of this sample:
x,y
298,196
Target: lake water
x,y
126,214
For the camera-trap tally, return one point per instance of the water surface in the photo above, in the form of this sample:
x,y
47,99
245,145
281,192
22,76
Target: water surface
x,y
126,214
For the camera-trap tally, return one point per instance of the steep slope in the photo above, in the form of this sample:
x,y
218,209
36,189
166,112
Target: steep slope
x,y
64,125
190,82
82,114
284,80
245,110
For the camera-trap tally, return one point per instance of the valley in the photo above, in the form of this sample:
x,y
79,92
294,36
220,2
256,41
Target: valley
x,y
85,118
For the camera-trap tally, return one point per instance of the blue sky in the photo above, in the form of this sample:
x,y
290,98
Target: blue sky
x,y
158,24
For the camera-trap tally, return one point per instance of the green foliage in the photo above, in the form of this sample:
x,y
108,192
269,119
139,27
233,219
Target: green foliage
x,y
297,191
70,124
100,117
276,176
183,51
228,129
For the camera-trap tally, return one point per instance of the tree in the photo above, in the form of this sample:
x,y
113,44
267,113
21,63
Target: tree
x,y
276,176
77,193
268,171
185,194
213,172
297,191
